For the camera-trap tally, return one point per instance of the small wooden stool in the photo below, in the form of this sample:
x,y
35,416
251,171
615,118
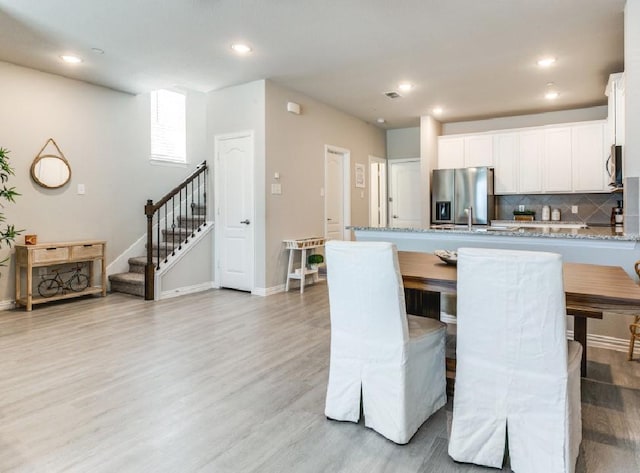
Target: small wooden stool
x,y
634,328
302,245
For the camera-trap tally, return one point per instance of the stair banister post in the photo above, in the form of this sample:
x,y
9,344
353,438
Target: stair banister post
x,y
149,270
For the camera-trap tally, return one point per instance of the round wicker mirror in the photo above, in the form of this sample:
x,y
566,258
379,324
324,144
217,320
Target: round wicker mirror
x,y
50,171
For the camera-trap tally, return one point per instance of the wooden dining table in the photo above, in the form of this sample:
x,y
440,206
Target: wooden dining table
x,y
590,290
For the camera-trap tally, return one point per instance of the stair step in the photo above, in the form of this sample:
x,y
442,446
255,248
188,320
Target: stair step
x,y
137,264
192,220
199,209
129,283
166,248
178,234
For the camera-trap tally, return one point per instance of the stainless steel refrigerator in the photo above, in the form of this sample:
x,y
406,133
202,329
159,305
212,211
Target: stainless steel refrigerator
x,y
454,191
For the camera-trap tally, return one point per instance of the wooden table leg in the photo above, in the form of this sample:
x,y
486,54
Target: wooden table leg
x,y
423,303
580,335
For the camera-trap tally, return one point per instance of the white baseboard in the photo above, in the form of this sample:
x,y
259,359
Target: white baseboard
x,y
7,305
181,291
593,340
448,318
609,343
268,291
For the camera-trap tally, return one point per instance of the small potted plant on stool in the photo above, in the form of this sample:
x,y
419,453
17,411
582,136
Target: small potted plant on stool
x,y
314,260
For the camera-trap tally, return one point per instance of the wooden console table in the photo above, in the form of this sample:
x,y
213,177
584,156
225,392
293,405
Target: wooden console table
x,y
29,257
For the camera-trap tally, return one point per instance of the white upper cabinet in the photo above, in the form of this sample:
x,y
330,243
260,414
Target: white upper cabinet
x,y
557,160
589,151
465,151
450,152
530,154
505,161
615,92
478,151
548,159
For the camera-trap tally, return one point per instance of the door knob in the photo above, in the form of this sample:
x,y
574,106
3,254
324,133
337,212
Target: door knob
x,y
395,216
246,222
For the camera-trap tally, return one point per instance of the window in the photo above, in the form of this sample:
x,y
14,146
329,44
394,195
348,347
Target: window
x,y
168,126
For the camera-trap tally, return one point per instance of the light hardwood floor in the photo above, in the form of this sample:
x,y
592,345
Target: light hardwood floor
x,y
223,381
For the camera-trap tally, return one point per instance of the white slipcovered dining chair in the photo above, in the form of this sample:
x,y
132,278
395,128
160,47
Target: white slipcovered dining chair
x,y
396,361
516,375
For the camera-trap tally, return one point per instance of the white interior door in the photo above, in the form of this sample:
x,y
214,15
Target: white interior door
x,y
377,192
234,211
336,193
404,189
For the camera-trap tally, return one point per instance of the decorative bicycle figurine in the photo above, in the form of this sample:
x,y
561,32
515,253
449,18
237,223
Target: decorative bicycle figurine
x,y
53,284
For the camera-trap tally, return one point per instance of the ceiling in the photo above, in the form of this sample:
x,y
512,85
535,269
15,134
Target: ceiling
x,y
476,59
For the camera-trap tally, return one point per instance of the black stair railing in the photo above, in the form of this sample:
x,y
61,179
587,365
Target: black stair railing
x,y
174,219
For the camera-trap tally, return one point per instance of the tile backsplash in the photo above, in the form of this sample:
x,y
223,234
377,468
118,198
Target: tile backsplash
x,y
592,208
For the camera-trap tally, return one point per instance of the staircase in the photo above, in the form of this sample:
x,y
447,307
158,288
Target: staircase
x,y
171,225
132,282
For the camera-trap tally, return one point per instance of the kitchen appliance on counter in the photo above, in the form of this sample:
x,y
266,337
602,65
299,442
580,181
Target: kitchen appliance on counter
x,y
455,191
617,214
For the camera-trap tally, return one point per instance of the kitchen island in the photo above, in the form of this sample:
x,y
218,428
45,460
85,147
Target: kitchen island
x,y
593,245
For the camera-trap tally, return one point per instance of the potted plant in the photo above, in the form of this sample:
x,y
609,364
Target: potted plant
x,y
314,260
8,234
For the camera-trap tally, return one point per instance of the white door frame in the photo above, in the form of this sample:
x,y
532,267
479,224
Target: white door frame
x,y
216,193
382,192
346,188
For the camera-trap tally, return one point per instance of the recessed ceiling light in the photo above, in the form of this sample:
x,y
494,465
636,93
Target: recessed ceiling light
x,y
381,120
546,61
405,86
70,59
241,48
551,95
437,111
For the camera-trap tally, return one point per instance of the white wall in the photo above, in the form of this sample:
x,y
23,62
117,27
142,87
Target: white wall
x,y
430,129
522,121
237,109
631,148
403,143
295,148
632,87
105,136
193,272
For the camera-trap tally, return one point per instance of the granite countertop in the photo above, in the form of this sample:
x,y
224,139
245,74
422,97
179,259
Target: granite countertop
x,y
554,230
